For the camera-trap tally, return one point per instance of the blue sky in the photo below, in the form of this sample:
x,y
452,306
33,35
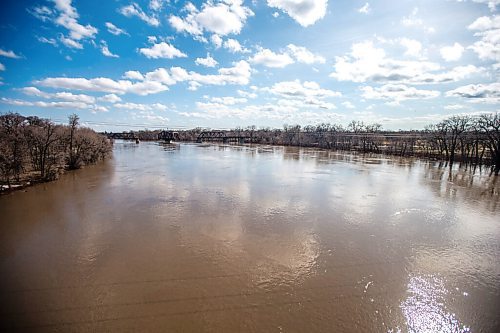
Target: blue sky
x,y
219,64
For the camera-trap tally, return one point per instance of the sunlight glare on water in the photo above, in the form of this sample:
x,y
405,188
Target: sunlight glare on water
x,y
425,308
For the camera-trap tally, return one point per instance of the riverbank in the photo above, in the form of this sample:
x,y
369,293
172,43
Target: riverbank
x,y
28,180
34,150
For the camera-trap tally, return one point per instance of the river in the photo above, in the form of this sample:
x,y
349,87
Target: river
x,y
220,238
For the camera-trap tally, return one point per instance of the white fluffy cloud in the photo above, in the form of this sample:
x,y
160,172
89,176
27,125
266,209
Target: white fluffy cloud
x,y
188,24
67,18
113,29
396,93
224,18
160,75
413,20
270,59
9,54
348,105
162,50
413,47
479,93
298,89
292,54
141,107
234,46
135,10
488,29
485,23
216,40
110,98
105,50
303,55
66,96
305,12
492,4
207,62
133,75
221,18
65,15
228,100
365,9
64,100
54,104
156,5
452,53
71,43
153,82
45,40
42,13
247,94
284,110
239,74
305,94
2,67
102,84
366,62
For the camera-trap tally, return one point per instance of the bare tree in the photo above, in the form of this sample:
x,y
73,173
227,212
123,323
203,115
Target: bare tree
x,y
44,142
490,125
12,146
73,162
456,127
441,135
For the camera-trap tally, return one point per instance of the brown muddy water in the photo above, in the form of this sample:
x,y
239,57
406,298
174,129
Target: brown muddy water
x,y
214,238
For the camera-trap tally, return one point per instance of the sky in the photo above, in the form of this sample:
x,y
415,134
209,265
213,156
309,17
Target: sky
x,y
122,64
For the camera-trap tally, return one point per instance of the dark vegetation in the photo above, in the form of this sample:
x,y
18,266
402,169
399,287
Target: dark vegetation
x,y
33,149
474,140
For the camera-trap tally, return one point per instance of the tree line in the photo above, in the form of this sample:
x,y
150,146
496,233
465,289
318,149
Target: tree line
x,y
469,139
37,149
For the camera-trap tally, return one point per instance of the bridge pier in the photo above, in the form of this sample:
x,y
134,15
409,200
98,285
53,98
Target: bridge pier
x,y
122,136
168,136
221,136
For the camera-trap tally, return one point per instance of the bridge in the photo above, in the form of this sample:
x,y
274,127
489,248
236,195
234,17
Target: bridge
x,y
217,136
122,136
168,136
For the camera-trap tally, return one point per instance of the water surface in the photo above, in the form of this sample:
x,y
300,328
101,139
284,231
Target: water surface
x,y
218,238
